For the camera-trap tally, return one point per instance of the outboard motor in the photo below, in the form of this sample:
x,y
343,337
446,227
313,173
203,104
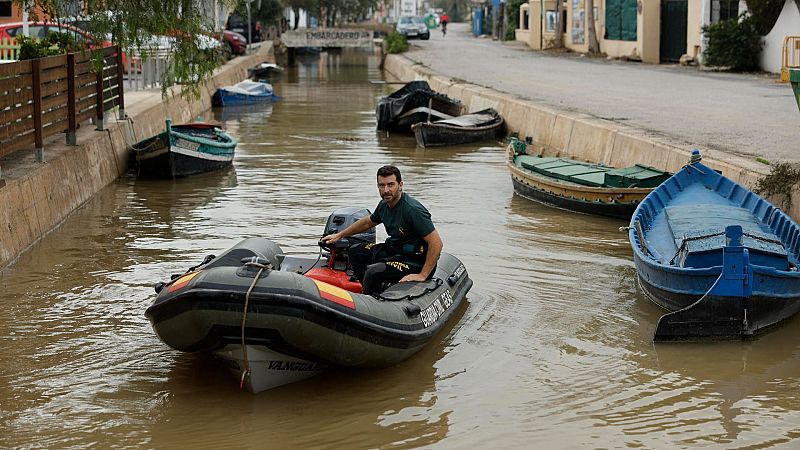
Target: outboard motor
x,y
337,272
343,218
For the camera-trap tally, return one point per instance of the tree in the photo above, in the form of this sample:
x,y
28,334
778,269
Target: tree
x,y
765,13
559,24
594,45
133,24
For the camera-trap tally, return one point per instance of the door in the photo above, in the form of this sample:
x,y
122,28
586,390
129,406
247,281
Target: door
x,y
673,29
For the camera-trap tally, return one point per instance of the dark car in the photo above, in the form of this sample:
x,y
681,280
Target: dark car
x,y
412,27
238,24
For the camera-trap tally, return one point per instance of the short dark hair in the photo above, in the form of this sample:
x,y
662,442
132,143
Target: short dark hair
x,y
387,171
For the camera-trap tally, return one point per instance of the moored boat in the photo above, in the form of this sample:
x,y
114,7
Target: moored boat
x,y
184,149
478,126
414,103
581,186
244,93
722,259
266,71
277,318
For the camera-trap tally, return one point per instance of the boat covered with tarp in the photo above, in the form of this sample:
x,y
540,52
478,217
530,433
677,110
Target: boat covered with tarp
x,y
413,103
721,258
184,149
478,126
276,318
244,93
581,186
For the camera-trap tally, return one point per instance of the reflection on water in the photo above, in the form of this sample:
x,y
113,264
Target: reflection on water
x,y
554,346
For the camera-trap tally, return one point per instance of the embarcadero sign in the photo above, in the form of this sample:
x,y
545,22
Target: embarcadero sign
x,y
327,37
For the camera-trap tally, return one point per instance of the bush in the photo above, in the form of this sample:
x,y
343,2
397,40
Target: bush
x,y
512,13
53,44
732,43
396,43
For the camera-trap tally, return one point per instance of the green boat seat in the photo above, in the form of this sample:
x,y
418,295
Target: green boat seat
x,y
635,176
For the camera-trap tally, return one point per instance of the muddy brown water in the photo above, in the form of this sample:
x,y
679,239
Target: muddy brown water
x,y
553,348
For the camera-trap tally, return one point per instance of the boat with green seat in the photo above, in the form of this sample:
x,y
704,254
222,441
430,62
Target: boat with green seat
x,y
581,186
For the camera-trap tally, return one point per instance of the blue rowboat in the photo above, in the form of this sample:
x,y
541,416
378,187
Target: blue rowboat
x,y
244,93
183,150
721,258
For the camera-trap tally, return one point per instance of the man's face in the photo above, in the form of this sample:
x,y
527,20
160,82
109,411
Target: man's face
x,y
389,189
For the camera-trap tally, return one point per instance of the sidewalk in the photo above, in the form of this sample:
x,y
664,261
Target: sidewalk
x,y
750,115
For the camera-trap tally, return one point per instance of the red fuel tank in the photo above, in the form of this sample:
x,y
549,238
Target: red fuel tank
x,y
334,277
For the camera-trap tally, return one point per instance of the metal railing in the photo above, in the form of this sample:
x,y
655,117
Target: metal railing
x,y
790,56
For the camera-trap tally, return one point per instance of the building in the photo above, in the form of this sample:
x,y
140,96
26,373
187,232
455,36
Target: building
x,y
652,31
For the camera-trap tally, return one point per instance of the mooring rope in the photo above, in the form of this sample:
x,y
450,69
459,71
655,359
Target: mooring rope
x,y
261,268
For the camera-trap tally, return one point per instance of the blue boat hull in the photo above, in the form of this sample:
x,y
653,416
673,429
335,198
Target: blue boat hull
x,y
719,257
225,98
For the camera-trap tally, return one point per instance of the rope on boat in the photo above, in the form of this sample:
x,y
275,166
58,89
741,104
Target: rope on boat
x,y
261,268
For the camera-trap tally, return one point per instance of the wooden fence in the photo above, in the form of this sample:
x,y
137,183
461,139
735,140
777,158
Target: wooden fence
x,y
43,97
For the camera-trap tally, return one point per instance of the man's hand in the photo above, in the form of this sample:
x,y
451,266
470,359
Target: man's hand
x,y
331,238
413,277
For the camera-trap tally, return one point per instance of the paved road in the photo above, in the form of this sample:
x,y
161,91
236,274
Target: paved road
x,y
748,115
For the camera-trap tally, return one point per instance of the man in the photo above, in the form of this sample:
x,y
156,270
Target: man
x,y
413,247
444,20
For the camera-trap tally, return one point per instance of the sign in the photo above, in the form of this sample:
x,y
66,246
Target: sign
x,y
327,37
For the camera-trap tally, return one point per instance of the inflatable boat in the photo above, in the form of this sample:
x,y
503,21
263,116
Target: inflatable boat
x,y
277,318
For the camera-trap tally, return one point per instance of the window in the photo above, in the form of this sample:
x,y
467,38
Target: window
x,y
34,31
724,10
621,20
5,8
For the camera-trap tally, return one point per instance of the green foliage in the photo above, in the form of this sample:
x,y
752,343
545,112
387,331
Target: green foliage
x,y
457,10
143,25
53,44
269,13
733,43
781,180
396,43
765,13
512,12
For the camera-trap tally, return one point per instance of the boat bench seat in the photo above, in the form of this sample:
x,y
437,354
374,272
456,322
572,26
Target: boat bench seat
x,y
698,231
577,172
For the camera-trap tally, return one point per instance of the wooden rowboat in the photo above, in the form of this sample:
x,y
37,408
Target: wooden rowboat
x,y
479,126
581,186
722,259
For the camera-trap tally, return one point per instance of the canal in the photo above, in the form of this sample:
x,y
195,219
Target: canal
x,y
553,349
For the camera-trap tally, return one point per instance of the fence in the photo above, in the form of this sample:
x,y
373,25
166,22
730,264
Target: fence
x,y
9,49
43,97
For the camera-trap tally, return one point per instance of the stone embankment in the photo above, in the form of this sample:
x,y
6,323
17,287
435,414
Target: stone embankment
x,y
580,136
37,197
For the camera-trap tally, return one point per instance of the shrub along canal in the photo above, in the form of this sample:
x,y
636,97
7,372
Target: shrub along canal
x,y
553,347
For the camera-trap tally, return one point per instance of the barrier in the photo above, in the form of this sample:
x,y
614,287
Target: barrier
x,y
790,57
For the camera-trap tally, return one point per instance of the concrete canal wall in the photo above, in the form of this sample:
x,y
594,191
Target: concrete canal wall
x,y
37,197
580,136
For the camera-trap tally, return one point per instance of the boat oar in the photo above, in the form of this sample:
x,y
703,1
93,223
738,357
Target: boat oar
x,y
722,313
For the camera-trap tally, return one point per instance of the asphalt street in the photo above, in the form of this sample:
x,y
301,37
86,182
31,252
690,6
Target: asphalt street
x,y
750,115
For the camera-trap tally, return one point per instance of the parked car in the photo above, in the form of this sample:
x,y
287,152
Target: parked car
x,y
412,27
236,43
238,24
